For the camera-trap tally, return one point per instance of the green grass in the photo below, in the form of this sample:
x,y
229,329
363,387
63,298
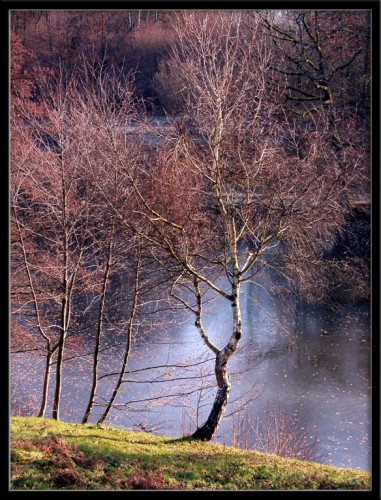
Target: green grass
x,y
50,455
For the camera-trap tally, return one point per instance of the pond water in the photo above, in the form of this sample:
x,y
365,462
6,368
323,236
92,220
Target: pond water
x,y
320,376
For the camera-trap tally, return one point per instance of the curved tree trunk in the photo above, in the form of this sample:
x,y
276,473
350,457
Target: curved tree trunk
x,y
209,428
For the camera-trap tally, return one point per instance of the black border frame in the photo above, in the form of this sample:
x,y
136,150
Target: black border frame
x,y
372,5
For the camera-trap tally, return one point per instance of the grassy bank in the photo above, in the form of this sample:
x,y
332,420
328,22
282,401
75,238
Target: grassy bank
x,y
56,455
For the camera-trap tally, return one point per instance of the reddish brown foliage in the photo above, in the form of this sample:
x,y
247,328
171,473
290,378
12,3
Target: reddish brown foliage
x,y
149,480
67,477
21,77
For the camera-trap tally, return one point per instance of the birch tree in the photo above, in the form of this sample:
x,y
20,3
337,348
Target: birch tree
x,y
237,188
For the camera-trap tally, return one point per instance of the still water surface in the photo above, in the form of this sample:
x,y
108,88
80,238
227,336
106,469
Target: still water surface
x,y
321,377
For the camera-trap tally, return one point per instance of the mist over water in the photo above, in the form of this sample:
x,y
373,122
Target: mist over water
x,y
319,373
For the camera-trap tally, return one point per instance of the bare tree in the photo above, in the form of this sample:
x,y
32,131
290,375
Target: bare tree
x,y
26,290
130,329
317,78
51,213
61,225
314,72
240,188
102,306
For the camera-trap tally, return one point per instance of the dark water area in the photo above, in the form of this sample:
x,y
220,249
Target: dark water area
x,y
319,374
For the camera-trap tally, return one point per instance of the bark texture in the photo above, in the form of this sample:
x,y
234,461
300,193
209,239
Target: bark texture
x,y
209,428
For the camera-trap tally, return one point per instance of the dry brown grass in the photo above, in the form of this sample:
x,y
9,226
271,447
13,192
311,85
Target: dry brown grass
x,y
150,480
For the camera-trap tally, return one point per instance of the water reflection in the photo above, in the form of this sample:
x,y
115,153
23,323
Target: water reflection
x,y
322,377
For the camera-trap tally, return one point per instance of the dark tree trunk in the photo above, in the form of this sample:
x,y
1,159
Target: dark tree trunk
x,y
128,343
209,428
102,306
57,392
45,388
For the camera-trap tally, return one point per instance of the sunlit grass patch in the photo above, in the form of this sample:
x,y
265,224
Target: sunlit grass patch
x,y
54,455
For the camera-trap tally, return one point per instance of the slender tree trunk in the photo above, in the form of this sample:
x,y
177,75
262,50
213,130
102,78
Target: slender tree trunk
x,y
45,389
61,348
100,329
65,321
128,343
65,309
50,352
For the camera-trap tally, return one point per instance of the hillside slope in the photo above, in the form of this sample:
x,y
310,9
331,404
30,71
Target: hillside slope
x,y
50,455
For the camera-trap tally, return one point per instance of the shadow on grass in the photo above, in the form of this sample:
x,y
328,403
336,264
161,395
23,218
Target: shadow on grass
x,y
186,439
104,438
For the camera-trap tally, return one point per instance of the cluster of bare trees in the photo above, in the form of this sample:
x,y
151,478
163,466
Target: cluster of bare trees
x,y
135,39
259,174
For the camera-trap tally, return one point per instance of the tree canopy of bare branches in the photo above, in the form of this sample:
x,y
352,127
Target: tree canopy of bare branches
x,y
256,175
